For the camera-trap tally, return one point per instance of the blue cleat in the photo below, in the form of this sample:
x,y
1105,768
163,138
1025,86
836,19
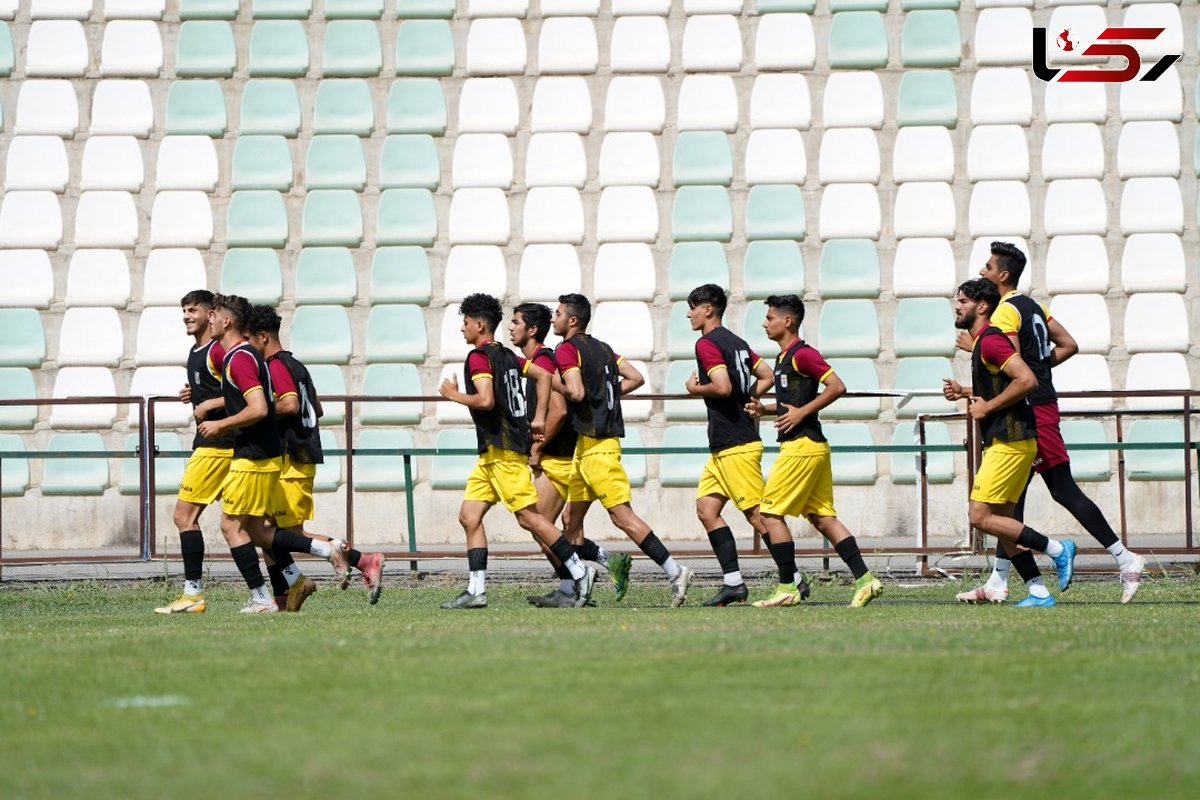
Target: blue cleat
x,y
1037,602
1065,564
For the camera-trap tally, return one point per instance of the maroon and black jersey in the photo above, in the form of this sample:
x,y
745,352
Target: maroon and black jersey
x,y
244,373
728,423
503,426
562,444
204,379
298,432
598,415
1033,337
799,370
1016,422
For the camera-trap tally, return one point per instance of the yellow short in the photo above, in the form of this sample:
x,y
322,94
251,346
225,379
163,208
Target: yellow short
x,y
250,487
597,473
736,473
292,502
203,475
501,476
1004,472
801,481
558,470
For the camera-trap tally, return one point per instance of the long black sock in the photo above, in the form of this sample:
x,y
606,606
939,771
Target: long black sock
x,y
654,548
848,550
1066,493
726,549
279,585
562,550
291,542
477,559
1033,540
246,558
353,556
1026,566
784,554
588,551
191,546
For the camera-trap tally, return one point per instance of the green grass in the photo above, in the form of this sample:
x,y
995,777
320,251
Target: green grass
x,y
910,697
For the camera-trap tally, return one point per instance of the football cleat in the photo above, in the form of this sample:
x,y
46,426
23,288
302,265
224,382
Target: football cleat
x,y
802,585
583,586
727,595
185,604
255,607
1037,602
866,589
337,560
1065,564
371,565
300,591
982,594
785,595
679,587
467,600
1131,578
556,599
619,565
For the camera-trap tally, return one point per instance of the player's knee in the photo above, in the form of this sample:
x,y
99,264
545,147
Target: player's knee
x,y
185,518
467,519
979,515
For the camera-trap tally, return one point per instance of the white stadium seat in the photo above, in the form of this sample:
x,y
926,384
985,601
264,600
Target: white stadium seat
x,y
567,45
134,9
488,105
707,102
924,209
1001,96
1148,149
849,155
923,153
1084,373
482,160
637,7
923,267
553,214
181,219
474,268
56,48
36,162
496,47
1153,262
712,43
121,108
640,44
548,270
627,214
776,155
784,41
161,337
624,271
479,216
131,48
1003,36
113,162
47,106
1151,205
557,159
1161,98
999,208
1086,317
780,101
172,272
1151,371
60,9
27,278
1076,102
1085,22
100,278
634,103
90,337
84,382
561,104
998,152
629,158
106,219
1075,207
626,326
1156,323
452,347
849,211
1076,264
1072,150
853,100
163,382
1158,15
497,8
187,162
30,219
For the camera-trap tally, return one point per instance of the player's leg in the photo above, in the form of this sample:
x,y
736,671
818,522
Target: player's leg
x,y
720,538
785,493
583,576
470,517
200,486
236,528
550,505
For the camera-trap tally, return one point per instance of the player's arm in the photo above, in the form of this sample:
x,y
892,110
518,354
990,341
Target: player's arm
x,y
566,356
287,399
211,404
631,379
793,416
764,378
255,410
719,385
1023,382
1065,345
556,414
484,398
287,406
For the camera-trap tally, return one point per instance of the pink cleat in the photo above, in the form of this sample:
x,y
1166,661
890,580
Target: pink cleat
x,y
371,565
982,594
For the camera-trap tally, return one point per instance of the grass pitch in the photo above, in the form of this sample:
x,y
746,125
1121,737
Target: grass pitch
x,y
911,697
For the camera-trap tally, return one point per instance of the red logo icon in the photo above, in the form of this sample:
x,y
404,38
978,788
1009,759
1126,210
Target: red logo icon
x,y
1103,46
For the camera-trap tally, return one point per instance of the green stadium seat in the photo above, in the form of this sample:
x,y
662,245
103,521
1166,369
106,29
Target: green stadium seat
x,y
321,335
775,212
278,49
7,54
1087,465
848,328
635,465
335,161
772,267
168,472
353,9
343,105
325,275
400,275
332,217
702,213
22,339
424,47
416,105
927,97
82,476
702,157
857,5
683,469
253,273
939,467
695,264
281,9
922,374
451,472
382,473
256,218
852,469
931,39
916,5
682,410
17,383
391,380
849,268
205,49
409,161
752,330
208,9
1156,465
329,473
261,162
14,472
681,339
858,40
270,106
329,382
196,107
352,49
425,9
406,216
396,333
859,376
924,327
785,6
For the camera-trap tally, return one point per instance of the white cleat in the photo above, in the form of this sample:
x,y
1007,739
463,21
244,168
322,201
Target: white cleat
x,y
260,608
982,594
1131,578
679,587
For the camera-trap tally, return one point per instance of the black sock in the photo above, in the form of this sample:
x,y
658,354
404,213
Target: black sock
x,y
477,559
848,550
282,558
560,569
246,558
588,551
353,556
289,541
1026,566
657,551
562,550
726,549
191,545
279,585
1033,540
784,554
1066,493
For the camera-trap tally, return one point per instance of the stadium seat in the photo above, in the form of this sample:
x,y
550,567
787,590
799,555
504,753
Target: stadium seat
x,y
635,103
780,101
205,49
121,107
416,105
561,104
1087,465
626,326
131,48
548,270
325,275
1161,98
351,49
1086,317
1148,149
86,382
168,472
640,44
752,329
381,472
701,157
1156,15
939,467
856,468
1153,262
630,159
859,376
7,54
185,162
163,382
30,219
111,162
56,48
931,39
329,473
702,213
1151,205
482,160
329,381
1085,23
681,339
849,155
922,374
1003,36
999,208
196,107
998,152
82,476
712,43
849,210
707,102
353,9
694,264
624,271
634,463
451,347
629,214
450,472
1156,371
36,162
161,337
683,469
15,383
636,410
1073,150
558,159
848,328
1156,465
1076,264
567,45
452,413
853,100
1075,102
27,278
924,153
682,410
442,9
474,268
1156,322
1075,207
261,162
400,275
924,209
923,268
775,156
281,9
331,217
849,268
927,97
772,267
256,218
478,216
924,327
279,49
409,161
784,42
343,105
1001,96
488,105
14,472
569,8
253,273
208,9
396,334
101,278
1083,373
775,212
170,273
47,107
406,216
321,335
496,47
858,40
270,106
106,219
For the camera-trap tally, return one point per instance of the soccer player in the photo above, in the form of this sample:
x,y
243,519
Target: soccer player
x,y
297,411
1001,382
801,479
1043,343
209,463
495,396
551,457
257,456
594,378
729,375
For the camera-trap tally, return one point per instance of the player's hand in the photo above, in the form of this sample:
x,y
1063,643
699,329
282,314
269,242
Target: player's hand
x,y
199,414
537,429
754,408
185,394
965,341
952,390
693,384
210,429
977,407
449,387
789,419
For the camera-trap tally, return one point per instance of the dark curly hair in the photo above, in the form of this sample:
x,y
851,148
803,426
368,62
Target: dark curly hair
x,y
482,307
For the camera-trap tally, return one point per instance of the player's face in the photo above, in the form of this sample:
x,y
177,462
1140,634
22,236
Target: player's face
x,y
775,324
219,322
965,312
697,314
560,321
991,270
472,330
518,332
195,319
259,341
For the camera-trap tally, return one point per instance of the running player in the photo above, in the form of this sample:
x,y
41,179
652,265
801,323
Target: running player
x,y
550,458
297,410
594,379
495,396
1001,382
209,463
801,479
729,375
1043,343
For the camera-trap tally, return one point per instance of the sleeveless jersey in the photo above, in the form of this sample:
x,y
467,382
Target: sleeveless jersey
x,y
259,441
503,426
1033,336
728,423
204,379
562,445
598,415
300,437
795,388
1013,424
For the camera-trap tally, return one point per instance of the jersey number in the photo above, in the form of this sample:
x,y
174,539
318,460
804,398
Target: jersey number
x,y
742,368
514,393
609,393
1042,334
